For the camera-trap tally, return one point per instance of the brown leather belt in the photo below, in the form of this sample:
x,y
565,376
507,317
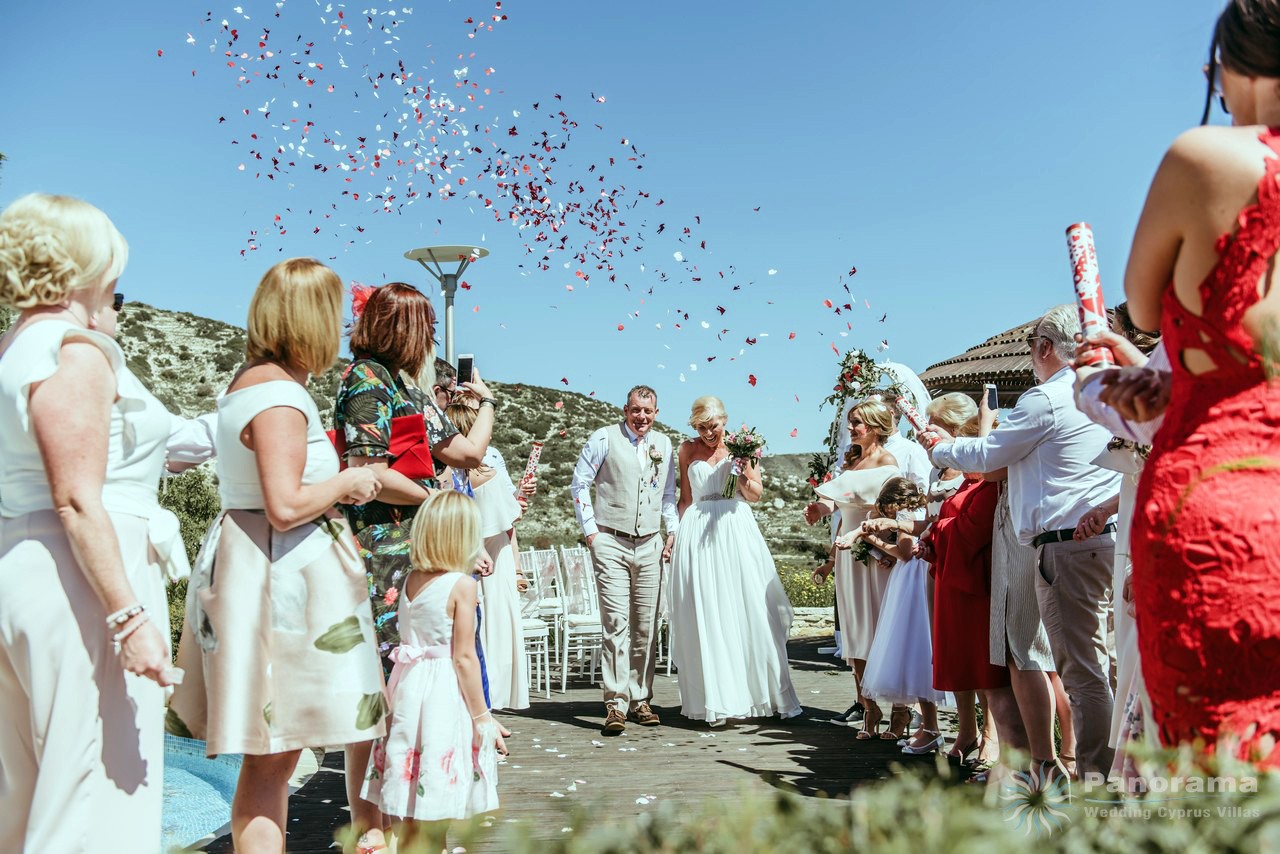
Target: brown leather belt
x,y
625,536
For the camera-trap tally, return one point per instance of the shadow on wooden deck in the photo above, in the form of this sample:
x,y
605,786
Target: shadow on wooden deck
x,y
561,761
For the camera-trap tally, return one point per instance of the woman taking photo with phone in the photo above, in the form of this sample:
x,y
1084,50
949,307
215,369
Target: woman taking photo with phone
x,y
385,390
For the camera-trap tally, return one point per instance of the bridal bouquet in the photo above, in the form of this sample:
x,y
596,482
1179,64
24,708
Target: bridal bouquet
x,y
746,446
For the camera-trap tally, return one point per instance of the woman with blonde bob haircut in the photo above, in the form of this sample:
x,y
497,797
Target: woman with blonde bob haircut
x,y
83,618
730,616
278,617
295,317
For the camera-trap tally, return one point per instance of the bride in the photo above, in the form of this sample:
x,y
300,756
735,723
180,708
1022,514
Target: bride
x,y
729,613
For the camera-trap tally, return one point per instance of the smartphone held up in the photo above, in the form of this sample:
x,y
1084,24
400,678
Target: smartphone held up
x,y
466,367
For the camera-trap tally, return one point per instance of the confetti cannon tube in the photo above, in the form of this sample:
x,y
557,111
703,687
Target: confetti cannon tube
x,y
1088,284
914,418
531,467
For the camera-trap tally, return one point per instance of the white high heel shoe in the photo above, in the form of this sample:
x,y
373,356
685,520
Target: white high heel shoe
x,y
931,746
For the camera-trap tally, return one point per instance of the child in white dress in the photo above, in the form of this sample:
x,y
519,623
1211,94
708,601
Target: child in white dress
x,y
439,760
900,663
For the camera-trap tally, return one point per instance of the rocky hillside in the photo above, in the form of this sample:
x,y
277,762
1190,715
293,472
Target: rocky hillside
x,y
187,360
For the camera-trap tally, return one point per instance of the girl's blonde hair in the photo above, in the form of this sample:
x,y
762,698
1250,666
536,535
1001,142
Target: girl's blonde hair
x,y
295,317
446,533
951,410
706,408
51,246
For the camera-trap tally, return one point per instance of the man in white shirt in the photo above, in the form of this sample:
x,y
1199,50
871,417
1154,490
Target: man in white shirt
x,y
1049,446
635,482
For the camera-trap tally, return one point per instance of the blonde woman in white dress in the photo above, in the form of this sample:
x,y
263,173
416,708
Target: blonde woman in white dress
x,y
279,642
730,615
83,621
859,586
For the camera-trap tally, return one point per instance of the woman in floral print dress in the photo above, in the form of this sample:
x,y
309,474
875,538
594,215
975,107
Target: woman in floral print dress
x,y
391,339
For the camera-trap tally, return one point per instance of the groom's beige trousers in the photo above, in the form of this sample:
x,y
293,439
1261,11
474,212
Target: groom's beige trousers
x,y
628,577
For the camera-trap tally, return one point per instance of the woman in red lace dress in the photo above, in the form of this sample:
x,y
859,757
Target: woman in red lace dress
x,y
1206,534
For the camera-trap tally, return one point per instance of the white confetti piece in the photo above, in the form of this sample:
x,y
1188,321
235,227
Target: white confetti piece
x,y
772,272
557,794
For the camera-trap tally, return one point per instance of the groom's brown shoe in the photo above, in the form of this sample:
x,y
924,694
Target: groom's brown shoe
x,y
614,721
643,714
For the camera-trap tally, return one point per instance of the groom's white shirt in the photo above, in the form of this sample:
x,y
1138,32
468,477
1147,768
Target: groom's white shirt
x,y
588,466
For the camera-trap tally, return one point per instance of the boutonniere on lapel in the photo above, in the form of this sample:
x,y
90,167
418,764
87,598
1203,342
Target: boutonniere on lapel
x,y
655,458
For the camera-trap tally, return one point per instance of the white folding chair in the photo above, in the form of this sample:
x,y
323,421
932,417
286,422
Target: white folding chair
x,y
537,639
579,632
542,568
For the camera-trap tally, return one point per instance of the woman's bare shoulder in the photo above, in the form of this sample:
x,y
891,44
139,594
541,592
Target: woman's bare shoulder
x,y
265,372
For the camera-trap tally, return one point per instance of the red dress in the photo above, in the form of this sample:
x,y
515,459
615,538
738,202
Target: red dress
x,y
961,540
1206,534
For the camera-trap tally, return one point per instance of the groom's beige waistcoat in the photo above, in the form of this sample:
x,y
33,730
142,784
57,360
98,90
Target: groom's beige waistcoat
x,y
629,494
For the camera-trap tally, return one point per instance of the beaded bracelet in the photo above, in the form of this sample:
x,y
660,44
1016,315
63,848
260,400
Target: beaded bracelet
x,y
124,615
118,639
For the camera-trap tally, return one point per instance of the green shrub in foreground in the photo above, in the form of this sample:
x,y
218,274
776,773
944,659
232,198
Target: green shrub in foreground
x,y
913,813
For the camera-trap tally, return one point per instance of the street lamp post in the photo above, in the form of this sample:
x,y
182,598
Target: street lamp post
x,y
432,258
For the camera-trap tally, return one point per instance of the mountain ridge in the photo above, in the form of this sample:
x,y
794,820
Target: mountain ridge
x,y
187,360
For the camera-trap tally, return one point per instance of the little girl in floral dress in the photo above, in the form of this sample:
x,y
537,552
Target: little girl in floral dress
x,y
439,759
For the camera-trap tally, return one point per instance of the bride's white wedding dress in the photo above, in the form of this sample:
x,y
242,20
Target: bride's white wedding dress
x,y
729,612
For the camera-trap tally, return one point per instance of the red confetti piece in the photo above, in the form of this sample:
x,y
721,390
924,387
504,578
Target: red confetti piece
x,y
751,378
620,327
827,303
795,432
791,337
559,404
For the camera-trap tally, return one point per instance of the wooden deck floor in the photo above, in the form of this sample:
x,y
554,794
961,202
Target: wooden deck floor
x,y
559,758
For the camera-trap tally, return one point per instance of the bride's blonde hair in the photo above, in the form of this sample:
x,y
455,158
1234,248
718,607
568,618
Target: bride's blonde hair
x,y
706,408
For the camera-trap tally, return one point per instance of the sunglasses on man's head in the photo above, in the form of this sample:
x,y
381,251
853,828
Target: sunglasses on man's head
x,y
117,303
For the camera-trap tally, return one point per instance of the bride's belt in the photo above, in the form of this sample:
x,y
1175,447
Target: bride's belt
x,y
714,497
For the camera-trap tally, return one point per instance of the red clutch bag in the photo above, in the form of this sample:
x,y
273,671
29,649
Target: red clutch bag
x,y
409,447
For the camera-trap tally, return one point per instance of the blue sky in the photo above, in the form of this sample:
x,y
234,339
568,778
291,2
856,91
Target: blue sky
x,y
939,148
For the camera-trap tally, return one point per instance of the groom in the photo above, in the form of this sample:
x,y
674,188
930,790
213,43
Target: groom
x,y
635,482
